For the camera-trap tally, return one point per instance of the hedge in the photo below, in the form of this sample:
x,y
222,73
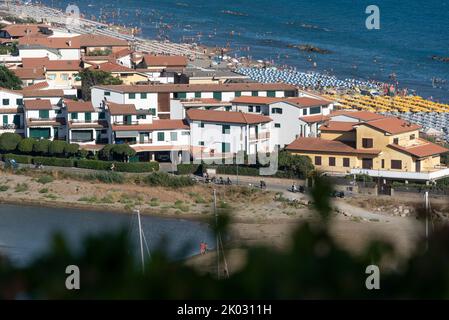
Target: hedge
x,y
19,158
187,168
136,166
94,164
57,162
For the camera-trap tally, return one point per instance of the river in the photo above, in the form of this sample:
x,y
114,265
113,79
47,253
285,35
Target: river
x,y
26,231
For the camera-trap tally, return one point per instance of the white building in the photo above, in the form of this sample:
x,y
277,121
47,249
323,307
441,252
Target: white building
x,y
11,112
42,121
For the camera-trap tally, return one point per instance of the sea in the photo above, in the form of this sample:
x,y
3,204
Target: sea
x,y
411,33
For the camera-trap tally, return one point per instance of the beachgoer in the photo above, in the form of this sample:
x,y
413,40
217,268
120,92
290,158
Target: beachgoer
x,y
202,248
112,167
205,247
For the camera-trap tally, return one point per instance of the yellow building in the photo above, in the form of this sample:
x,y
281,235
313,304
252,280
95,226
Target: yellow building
x,y
367,143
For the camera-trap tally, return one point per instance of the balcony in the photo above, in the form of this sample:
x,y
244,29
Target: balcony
x,y
10,127
436,173
126,123
260,136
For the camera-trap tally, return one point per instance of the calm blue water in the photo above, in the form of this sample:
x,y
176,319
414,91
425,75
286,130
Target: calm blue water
x,y
411,32
26,231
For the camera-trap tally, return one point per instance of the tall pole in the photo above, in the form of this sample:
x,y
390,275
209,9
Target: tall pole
x,y
427,219
216,226
141,241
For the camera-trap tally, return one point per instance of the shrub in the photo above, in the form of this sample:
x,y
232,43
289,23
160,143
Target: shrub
x,y
136,166
26,145
18,158
45,179
9,141
21,187
71,149
57,162
4,188
57,147
94,164
187,168
41,146
44,190
106,177
163,179
122,151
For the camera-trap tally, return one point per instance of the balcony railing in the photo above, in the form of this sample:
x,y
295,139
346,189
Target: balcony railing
x,y
260,136
127,123
10,126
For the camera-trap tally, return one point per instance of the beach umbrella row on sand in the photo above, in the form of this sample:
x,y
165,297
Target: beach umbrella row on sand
x,y
305,80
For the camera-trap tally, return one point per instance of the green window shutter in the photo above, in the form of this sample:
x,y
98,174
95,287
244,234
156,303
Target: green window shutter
x,y
107,93
201,143
6,102
132,95
5,119
271,94
201,125
238,93
19,102
182,95
255,93
173,136
226,129
87,116
153,111
217,95
74,115
143,96
160,136
16,120
225,147
315,110
197,94
44,114
102,116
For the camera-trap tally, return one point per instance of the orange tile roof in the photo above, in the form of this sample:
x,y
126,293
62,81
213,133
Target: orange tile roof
x,y
256,100
122,53
392,125
325,146
169,124
22,30
38,104
425,149
95,40
112,67
30,73
227,87
307,101
314,119
338,126
9,110
226,116
121,109
37,86
54,43
166,61
53,93
79,106
52,65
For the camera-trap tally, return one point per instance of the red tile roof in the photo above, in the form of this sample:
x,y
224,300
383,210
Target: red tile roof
x,y
95,40
22,30
54,43
325,146
112,67
37,86
51,93
41,104
307,101
51,65
425,149
314,119
165,61
79,106
392,125
359,115
256,100
36,73
226,116
338,126
169,124
121,109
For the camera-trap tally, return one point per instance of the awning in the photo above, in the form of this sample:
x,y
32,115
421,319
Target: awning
x,y
126,134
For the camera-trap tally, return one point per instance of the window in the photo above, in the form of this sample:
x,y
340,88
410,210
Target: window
x,y
217,96
396,140
250,109
19,102
143,95
346,162
153,111
197,94
396,164
228,108
238,93
201,143
383,163
185,133
255,93
5,119
74,115
201,125
318,161
65,76
277,125
315,110
225,147
5,102
332,161
412,137
141,116
51,76
226,129
289,93
107,93
173,136
257,108
160,136
367,143
276,111
87,116
132,96
44,114
304,112
102,115
180,95
271,94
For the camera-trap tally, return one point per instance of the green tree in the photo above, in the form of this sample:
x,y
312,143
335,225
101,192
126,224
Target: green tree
x,y
9,80
105,153
26,145
57,148
90,78
9,141
41,146
71,149
299,165
122,152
